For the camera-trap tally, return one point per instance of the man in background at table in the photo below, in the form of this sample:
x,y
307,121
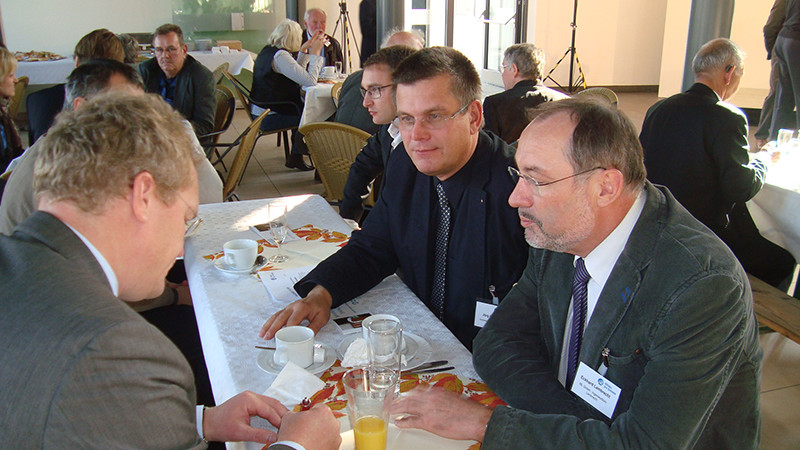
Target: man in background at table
x,y
181,80
87,370
314,22
626,298
442,221
377,89
508,113
351,110
43,105
695,143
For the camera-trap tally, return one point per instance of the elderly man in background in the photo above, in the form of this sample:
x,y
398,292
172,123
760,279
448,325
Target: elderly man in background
x,y
695,143
314,22
104,377
43,105
509,112
632,325
442,221
351,110
179,79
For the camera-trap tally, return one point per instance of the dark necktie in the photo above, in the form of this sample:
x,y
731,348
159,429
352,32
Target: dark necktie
x,y
578,318
440,254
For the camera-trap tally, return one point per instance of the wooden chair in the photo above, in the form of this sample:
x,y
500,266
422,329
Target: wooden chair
x,y
247,142
333,147
16,100
335,91
602,93
244,95
219,72
226,106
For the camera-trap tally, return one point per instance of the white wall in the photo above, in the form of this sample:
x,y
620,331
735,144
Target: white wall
x,y
618,41
58,25
331,8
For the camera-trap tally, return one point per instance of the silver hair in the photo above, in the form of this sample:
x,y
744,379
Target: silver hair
x,y
309,11
417,34
717,54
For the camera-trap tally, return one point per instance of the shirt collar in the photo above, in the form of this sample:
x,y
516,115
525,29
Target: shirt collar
x,y
394,133
110,275
600,261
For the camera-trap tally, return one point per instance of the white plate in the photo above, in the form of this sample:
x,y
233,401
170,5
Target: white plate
x,y
266,363
221,265
417,352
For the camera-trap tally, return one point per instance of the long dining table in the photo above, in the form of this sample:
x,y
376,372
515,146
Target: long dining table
x,y
230,308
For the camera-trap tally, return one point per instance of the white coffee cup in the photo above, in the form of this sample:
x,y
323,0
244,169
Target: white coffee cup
x,y
224,49
328,72
240,254
296,344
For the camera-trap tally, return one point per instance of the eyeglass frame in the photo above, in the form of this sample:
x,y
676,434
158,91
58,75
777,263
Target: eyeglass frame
x,y
171,50
193,224
439,122
516,175
372,90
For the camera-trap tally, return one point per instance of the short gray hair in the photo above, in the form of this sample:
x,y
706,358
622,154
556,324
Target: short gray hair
x,y
287,35
313,10
528,58
92,155
416,33
92,77
717,54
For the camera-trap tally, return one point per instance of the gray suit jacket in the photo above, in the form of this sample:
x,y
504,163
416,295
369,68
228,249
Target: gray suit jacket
x,y
676,315
80,369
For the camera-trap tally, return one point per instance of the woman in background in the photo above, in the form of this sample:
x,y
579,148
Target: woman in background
x,y
283,66
10,144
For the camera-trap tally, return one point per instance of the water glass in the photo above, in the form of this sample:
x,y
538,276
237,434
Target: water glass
x,y
384,343
784,138
338,65
369,401
278,227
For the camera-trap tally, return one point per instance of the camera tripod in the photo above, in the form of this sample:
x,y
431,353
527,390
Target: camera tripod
x,y
347,31
573,59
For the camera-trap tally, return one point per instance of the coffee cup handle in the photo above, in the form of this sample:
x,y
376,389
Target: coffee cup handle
x,y
319,355
280,357
228,260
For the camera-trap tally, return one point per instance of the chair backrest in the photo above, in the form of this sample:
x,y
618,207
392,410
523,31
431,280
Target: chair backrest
x,y
43,106
335,91
602,93
248,142
226,106
219,72
241,90
333,148
16,100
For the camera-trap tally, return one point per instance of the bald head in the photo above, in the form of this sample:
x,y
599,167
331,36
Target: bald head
x,y
406,38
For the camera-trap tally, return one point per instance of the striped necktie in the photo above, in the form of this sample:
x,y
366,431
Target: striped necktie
x,y
440,254
578,318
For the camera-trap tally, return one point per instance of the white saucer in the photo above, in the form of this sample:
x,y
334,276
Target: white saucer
x,y
266,363
221,265
417,351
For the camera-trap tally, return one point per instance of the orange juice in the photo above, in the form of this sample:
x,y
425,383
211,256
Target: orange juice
x,y
370,433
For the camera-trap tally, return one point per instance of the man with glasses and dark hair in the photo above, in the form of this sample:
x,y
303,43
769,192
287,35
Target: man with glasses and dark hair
x,y
178,78
632,325
442,221
508,113
377,91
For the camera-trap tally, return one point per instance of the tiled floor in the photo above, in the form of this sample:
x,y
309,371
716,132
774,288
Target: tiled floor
x,y
267,177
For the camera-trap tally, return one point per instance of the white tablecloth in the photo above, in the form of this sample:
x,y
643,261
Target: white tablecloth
x,y
776,208
230,309
318,104
54,72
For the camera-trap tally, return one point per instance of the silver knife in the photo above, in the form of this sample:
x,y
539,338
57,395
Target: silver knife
x,y
437,369
428,365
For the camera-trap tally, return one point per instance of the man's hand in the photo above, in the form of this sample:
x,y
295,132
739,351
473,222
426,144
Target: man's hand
x,y
316,307
315,429
184,296
230,421
442,412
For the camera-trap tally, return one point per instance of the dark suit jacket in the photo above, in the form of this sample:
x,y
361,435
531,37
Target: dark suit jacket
x,y
333,52
351,110
81,369
369,162
486,247
676,315
194,92
507,113
43,106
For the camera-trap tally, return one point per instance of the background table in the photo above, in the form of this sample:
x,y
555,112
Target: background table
x,y
776,208
54,72
230,309
318,105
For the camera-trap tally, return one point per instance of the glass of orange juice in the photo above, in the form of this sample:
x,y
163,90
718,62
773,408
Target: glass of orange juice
x,y
370,391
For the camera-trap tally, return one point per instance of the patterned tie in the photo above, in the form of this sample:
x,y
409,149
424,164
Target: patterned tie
x,y
440,255
578,318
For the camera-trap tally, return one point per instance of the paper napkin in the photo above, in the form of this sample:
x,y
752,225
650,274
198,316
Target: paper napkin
x,y
294,384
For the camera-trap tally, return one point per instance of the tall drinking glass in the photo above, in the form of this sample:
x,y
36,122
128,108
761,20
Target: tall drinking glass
x,y
278,227
384,344
369,403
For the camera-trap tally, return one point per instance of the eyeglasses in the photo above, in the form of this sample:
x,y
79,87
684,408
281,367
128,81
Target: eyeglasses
x,y
433,121
193,224
506,66
535,185
171,50
374,92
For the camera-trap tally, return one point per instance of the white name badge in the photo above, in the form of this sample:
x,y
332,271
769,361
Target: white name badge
x,y
482,313
596,390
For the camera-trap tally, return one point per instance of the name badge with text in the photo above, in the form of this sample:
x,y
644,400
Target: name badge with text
x,y
596,390
483,311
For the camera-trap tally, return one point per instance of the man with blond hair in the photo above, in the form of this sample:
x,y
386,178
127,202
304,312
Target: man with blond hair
x,y
507,113
115,201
